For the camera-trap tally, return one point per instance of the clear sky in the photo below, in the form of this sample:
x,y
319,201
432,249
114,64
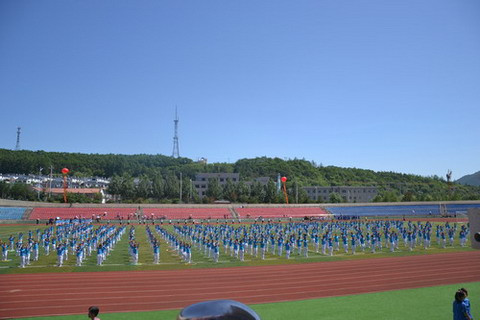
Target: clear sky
x,y
374,84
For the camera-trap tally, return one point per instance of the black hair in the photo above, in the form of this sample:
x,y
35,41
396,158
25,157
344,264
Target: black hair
x,y
94,310
464,290
459,296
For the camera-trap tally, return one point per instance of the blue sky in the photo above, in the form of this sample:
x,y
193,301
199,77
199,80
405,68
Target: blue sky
x,y
381,85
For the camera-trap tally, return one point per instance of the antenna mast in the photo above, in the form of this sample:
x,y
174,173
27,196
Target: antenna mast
x,y
176,152
17,147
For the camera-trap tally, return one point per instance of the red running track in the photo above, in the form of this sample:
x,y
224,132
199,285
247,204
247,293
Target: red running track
x,y
27,295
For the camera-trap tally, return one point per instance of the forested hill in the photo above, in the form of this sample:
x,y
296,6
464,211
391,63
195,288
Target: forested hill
x,y
471,179
392,186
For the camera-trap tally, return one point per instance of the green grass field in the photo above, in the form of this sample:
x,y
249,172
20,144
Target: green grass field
x,y
412,304
119,258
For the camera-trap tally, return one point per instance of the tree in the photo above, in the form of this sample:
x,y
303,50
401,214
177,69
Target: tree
x,y
230,191
144,188
270,192
336,198
243,192
172,186
158,187
115,187
295,190
409,196
128,187
257,193
390,196
214,191
4,189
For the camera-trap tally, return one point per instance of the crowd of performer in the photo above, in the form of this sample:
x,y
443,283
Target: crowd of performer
x,y
80,239
326,237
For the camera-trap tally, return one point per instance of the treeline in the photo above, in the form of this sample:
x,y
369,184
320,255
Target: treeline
x,y
169,189
17,191
155,178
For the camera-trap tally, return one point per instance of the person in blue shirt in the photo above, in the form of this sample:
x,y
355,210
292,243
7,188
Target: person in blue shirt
x,y
263,247
135,253
466,301
241,247
337,242
216,252
460,311
324,244
287,249
316,241
353,241
23,256
35,250
11,239
188,253
78,254
444,241
299,245
305,247
47,246
60,249
156,252
330,246
99,255
374,243
4,247
280,245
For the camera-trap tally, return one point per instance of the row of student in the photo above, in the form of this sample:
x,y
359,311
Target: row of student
x,y
182,248
298,236
78,239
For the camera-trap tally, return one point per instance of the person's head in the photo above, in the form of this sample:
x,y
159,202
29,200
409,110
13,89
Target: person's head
x,y
218,310
464,290
459,296
93,312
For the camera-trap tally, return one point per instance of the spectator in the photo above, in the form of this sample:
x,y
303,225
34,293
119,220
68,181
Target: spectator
x,y
466,301
93,313
460,311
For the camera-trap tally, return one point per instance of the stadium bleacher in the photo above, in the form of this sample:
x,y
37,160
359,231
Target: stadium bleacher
x,y
408,210
294,212
113,213
11,213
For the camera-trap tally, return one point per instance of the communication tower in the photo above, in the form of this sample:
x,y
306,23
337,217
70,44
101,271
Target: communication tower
x,y
176,152
17,146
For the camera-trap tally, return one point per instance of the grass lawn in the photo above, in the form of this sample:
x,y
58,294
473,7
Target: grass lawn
x,y
119,258
412,304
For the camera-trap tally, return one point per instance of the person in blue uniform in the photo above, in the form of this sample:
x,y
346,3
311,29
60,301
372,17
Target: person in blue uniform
x,y
60,249
305,246
287,249
156,252
4,247
216,252
35,250
466,301
263,247
324,244
460,311
12,240
241,248
330,246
